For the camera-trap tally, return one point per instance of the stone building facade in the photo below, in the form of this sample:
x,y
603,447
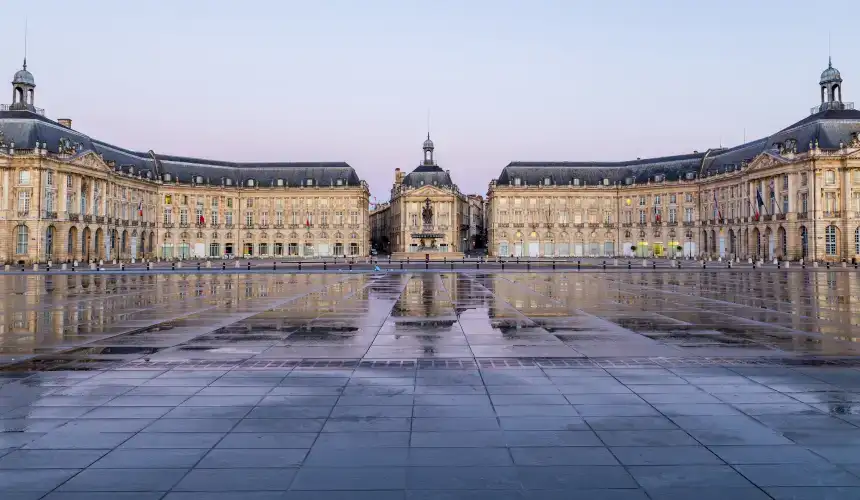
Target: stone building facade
x,y
66,196
427,214
792,195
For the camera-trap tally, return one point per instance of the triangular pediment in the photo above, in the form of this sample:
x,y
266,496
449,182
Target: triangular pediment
x,y
766,160
428,191
92,160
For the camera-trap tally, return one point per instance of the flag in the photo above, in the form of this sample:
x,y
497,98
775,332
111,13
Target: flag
x,y
759,202
308,222
140,208
202,220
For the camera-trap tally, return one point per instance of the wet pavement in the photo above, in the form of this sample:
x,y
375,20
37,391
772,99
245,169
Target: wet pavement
x,y
660,385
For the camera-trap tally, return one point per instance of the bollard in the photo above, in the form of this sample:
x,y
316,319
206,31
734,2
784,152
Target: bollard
x,y
407,261
503,265
753,265
350,265
704,265
478,264
401,264
445,260
518,260
828,265
223,266
730,264
426,264
654,265
249,266
452,266
629,265
48,268
553,265
274,266
300,265
22,268
529,266
578,265
325,266
149,266
198,266
122,267
173,266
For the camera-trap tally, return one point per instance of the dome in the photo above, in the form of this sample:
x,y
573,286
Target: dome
x,y
24,76
830,74
428,144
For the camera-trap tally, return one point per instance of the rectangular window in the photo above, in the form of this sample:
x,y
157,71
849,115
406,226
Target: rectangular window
x,y
249,218
657,199
324,218
49,178
279,249
628,217
353,217
264,249
229,202
785,203
168,215
517,181
214,250
673,199
855,197
688,197
24,201
641,201
249,203
785,181
24,177
642,217
688,215
264,218
228,218
803,203
279,218
68,182
673,215
183,216
213,216
830,177
293,249
607,217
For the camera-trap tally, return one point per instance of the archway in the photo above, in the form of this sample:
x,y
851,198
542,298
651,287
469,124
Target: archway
x,y
50,232
99,250
123,247
86,244
732,243
705,246
71,244
756,240
831,239
804,242
22,240
782,242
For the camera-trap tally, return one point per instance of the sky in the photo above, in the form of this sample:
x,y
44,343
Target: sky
x,y
501,80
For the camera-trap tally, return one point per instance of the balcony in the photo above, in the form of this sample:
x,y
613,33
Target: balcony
x,y
50,215
110,220
184,225
124,222
519,224
672,223
247,226
23,214
627,224
264,226
642,224
689,223
74,217
13,107
657,223
780,216
593,225
100,219
608,225
279,226
134,223
548,224
578,225
228,226
167,225
801,216
563,224
832,214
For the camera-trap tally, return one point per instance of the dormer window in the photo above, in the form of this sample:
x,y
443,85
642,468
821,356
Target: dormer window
x,y
690,176
659,178
518,181
167,177
149,175
228,182
628,181
198,179
309,182
547,181
280,183
339,182
576,182
605,182
250,183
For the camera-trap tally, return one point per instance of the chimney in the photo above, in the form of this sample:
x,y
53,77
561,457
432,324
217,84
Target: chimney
x,y
65,122
398,176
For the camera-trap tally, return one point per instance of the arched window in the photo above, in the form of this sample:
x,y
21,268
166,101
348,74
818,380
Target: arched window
x,y
830,240
23,235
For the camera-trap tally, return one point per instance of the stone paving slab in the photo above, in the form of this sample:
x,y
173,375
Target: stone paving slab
x,y
323,443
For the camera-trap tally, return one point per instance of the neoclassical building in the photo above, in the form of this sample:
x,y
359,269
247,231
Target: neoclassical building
x,y
427,214
67,196
792,195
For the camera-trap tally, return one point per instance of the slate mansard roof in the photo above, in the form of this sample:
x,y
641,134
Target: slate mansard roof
x,y
428,175
25,129
828,128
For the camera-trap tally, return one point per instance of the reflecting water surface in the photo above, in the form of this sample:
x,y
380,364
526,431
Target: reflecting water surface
x,y
427,315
